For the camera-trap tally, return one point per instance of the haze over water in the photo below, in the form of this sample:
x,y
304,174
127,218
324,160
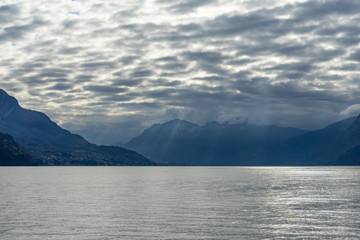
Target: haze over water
x,y
179,203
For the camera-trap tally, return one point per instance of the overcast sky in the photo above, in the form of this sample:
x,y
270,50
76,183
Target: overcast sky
x,y
110,69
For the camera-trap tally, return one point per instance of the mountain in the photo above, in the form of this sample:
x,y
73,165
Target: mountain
x,y
246,144
52,145
320,147
12,155
350,157
210,144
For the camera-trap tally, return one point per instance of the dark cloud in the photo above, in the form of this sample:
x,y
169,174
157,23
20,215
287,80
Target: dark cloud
x,y
191,27
203,56
172,66
238,24
355,56
71,23
321,9
118,98
52,73
61,87
8,13
128,60
127,82
189,5
140,73
185,6
297,66
162,82
240,62
123,15
213,78
104,89
167,59
97,65
16,32
71,50
84,78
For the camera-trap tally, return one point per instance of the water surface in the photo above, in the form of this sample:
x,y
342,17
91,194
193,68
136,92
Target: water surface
x,y
179,203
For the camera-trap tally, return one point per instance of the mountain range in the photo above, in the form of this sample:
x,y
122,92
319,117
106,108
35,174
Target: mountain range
x,y
29,137
50,144
250,145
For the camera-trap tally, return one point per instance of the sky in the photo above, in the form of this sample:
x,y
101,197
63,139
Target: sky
x,y
110,69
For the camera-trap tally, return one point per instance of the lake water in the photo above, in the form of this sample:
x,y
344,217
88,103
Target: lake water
x,y
179,203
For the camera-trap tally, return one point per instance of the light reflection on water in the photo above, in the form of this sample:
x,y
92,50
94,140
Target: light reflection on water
x,y
179,203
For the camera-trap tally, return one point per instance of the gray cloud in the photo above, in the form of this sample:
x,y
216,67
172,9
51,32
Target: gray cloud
x,y
127,82
355,56
8,13
322,9
136,64
17,32
104,89
61,87
188,5
139,73
71,50
97,65
208,57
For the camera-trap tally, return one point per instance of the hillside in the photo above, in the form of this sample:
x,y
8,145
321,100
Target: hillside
x,y
12,155
53,145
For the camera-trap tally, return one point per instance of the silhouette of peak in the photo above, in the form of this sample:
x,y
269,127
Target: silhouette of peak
x,y
7,104
4,97
355,127
178,122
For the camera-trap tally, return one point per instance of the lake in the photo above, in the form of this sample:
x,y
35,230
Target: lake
x,y
179,203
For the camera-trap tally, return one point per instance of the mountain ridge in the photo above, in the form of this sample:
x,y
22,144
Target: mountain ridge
x,y
52,145
246,144
12,155
180,140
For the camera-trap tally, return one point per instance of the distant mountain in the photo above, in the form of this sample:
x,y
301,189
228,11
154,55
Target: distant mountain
x,y
320,147
12,155
52,145
246,144
211,144
350,157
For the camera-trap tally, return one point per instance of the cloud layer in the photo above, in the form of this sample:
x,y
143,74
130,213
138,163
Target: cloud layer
x,y
108,70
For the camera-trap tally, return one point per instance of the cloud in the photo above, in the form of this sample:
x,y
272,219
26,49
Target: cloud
x,y
100,89
352,110
71,50
322,9
139,73
142,62
97,65
8,13
202,56
61,87
185,6
355,56
17,32
127,82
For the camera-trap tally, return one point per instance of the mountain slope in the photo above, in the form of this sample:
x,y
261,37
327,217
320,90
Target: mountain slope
x,y
51,144
350,157
34,129
320,147
246,144
12,155
211,144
